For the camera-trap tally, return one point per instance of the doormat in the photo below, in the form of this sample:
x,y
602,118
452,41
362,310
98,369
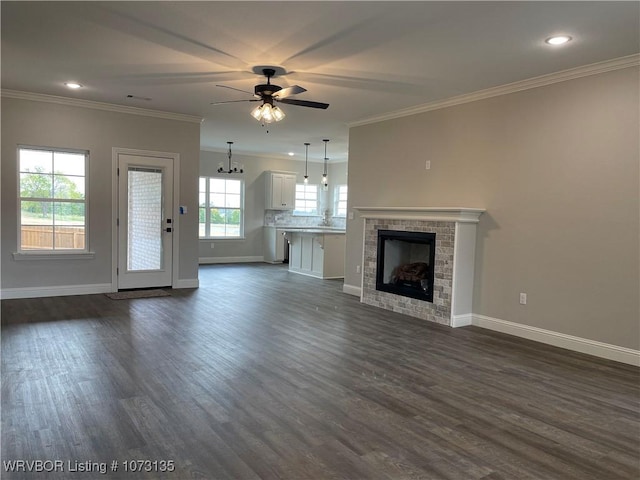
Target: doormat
x,y
138,294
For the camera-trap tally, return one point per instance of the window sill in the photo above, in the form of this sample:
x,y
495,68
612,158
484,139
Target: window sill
x,y
19,256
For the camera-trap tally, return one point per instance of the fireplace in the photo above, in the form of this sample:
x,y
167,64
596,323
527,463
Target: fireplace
x,y
452,244
405,263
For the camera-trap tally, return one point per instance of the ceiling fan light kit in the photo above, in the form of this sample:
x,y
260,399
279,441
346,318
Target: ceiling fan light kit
x,y
266,113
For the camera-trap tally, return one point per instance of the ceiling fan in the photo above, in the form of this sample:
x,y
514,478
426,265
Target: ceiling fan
x,y
267,93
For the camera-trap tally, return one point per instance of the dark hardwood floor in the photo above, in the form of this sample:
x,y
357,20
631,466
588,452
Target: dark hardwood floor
x,y
260,373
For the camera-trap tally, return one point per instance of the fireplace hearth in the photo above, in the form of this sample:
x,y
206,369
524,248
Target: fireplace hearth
x,y
405,263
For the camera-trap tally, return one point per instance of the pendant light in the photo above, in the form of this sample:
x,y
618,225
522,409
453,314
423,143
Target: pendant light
x,y
324,174
306,162
233,169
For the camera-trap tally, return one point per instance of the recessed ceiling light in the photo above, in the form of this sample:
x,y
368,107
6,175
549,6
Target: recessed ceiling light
x,y
291,154
558,40
73,85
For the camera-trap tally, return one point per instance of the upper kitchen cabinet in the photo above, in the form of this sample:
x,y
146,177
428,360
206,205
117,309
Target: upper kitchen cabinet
x,y
281,190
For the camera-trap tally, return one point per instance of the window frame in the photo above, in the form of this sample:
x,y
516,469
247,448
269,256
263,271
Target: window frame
x,y
53,253
336,200
208,208
301,213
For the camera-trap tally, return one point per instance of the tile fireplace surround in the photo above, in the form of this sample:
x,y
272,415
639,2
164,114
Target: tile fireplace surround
x,y
455,230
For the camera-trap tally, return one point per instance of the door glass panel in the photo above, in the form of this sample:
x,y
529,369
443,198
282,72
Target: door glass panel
x,y
144,226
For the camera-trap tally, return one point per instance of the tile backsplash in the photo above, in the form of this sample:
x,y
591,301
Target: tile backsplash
x,y
285,218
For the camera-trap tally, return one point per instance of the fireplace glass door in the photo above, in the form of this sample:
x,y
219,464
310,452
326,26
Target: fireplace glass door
x,y
406,263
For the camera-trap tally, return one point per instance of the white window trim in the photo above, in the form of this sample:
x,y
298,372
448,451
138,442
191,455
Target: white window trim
x,y
242,210
61,253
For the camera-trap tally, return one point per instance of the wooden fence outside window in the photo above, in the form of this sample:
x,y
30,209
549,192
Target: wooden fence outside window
x,y
41,238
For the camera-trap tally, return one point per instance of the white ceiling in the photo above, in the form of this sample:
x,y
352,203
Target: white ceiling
x,y
363,58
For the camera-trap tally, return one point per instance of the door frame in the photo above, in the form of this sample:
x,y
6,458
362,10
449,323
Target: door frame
x,y
175,253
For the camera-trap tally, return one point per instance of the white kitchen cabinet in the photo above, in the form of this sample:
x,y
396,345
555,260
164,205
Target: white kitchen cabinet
x,y
317,252
274,245
281,190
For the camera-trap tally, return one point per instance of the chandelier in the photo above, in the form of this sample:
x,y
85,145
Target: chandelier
x,y
232,169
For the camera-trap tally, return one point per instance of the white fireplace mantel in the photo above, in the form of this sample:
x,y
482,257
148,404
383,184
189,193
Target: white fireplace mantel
x,y
437,214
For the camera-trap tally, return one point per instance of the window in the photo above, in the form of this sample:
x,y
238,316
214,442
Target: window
x,y
306,199
340,201
221,208
53,200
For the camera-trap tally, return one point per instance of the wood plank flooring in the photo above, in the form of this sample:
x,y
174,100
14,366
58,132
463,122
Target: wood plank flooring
x,y
263,374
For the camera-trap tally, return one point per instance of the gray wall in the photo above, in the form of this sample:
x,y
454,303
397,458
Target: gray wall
x,y
254,167
557,170
52,125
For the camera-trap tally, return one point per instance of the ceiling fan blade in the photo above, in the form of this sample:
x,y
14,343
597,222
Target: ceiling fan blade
x,y
233,88
286,92
235,101
304,103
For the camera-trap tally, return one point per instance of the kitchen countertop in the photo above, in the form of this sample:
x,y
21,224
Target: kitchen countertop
x,y
315,230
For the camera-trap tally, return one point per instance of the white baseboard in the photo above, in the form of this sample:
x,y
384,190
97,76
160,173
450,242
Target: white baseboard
x,y
187,283
57,291
212,260
306,273
352,290
577,344
461,320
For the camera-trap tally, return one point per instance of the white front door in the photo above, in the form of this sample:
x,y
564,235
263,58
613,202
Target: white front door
x,y
145,221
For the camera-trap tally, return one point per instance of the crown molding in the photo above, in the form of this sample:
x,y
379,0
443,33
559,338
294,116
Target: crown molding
x,y
535,82
109,107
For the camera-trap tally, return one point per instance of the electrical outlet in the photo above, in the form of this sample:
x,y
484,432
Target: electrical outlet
x,y
357,268
523,299
427,165
211,245
350,215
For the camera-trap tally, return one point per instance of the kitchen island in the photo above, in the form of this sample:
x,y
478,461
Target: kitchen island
x,y
316,251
